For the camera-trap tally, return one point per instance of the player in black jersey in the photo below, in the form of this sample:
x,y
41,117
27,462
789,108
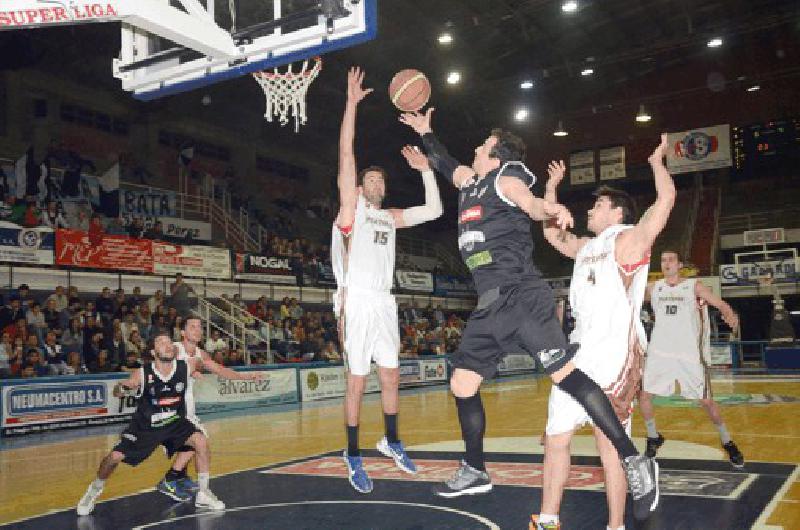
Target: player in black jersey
x,y
159,419
516,307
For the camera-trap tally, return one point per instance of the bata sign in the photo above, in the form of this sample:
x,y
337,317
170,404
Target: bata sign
x,y
37,13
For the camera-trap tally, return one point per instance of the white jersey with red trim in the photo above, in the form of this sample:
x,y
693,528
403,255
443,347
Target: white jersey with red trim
x,y
183,355
368,261
606,312
681,328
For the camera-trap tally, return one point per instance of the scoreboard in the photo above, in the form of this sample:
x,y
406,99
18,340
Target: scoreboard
x,y
767,146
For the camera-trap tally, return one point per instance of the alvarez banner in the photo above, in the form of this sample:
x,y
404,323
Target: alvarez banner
x,y
50,404
699,149
271,269
26,245
73,247
415,281
212,394
191,260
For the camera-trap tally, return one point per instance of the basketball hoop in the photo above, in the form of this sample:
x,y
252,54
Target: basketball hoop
x,y
286,92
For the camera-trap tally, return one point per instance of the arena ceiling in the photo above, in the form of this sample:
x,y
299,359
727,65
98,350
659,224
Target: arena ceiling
x,y
496,45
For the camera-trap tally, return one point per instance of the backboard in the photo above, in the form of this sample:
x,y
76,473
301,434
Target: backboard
x,y
172,46
263,34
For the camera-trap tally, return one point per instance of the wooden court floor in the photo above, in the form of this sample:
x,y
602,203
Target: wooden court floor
x,y
762,413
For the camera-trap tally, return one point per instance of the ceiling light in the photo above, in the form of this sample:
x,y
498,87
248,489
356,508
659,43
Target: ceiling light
x,y
643,116
453,78
569,7
754,88
521,114
716,42
587,71
526,85
560,131
445,38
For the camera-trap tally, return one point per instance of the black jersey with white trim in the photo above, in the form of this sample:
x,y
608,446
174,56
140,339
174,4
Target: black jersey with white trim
x,y
494,235
162,399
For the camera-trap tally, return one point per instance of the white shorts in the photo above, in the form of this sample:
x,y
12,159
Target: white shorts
x,y
371,332
564,414
662,371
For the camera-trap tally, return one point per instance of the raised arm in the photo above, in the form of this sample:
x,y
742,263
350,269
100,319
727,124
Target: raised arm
x,y
703,292
432,208
634,244
437,153
348,174
562,240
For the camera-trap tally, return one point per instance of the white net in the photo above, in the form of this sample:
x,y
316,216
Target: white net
x,y
286,92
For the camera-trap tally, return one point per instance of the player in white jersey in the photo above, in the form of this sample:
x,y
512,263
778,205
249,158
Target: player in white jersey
x,y
679,349
362,254
176,484
606,295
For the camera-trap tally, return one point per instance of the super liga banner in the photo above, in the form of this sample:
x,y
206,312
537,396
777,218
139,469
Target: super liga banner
x,y
699,149
55,403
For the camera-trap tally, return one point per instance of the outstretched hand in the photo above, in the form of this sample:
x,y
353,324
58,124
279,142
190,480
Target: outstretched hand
x,y
560,214
421,123
660,152
416,158
555,172
355,92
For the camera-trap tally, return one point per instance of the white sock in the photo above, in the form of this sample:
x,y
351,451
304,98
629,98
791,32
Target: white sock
x,y
618,528
202,480
724,435
652,432
548,518
98,483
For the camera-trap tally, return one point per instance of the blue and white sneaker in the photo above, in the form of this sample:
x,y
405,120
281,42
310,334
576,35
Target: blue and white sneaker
x,y
188,484
398,454
173,490
356,474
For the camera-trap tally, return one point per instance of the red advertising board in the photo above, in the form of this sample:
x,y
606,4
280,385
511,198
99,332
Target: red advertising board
x,y
74,247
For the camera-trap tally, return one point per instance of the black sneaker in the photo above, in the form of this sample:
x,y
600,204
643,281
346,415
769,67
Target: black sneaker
x,y
652,446
466,481
642,473
734,455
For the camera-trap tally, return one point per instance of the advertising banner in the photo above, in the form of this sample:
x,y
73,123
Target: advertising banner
x,y
699,149
581,167
147,203
44,406
26,245
74,247
445,285
415,281
433,370
271,269
191,260
212,394
612,163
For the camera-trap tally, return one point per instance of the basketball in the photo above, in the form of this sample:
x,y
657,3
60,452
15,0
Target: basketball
x,y
409,90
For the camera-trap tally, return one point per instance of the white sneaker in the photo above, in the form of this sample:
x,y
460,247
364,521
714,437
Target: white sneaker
x,y
206,499
86,504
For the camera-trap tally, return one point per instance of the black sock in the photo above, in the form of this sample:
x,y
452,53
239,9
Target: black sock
x,y
172,475
352,441
182,473
390,421
586,392
473,426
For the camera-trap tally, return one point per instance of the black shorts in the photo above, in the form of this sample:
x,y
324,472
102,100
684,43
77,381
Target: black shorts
x,y
522,319
137,444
